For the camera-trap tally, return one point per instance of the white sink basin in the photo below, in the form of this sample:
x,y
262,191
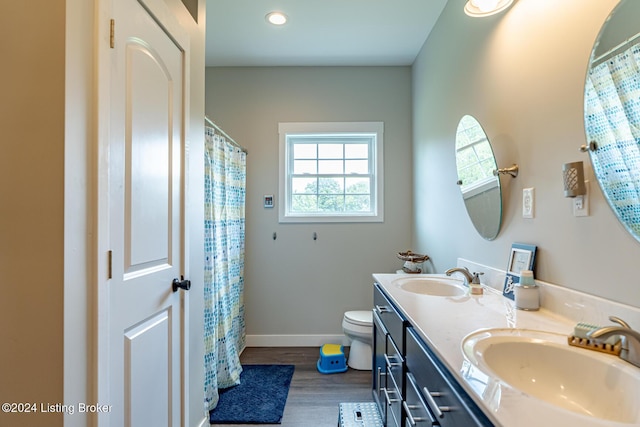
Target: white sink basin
x,y
431,285
544,366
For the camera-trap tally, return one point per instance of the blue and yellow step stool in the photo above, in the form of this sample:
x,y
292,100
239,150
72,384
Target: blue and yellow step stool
x,y
332,359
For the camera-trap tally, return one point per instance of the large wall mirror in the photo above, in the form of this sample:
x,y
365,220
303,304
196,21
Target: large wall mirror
x,y
479,186
612,112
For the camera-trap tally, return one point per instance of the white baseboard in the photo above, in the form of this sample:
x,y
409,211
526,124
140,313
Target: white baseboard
x,y
294,340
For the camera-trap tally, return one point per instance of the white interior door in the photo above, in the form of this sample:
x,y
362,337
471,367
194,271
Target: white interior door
x,y
146,230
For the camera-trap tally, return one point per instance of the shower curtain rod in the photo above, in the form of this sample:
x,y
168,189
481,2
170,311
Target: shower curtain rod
x,y
614,50
216,127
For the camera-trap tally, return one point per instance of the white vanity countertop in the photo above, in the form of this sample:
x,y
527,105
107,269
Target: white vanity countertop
x,y
443,322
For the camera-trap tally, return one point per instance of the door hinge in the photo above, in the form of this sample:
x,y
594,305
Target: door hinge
x,y
110,263
112,33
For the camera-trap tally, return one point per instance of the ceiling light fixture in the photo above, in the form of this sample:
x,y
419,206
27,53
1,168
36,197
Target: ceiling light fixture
x,y
481,8
276,18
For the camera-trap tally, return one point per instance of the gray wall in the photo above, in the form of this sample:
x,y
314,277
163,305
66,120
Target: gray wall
x,y
485,209
623,24
294,285
521,74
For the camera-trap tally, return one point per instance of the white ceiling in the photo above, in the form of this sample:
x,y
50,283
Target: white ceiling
x,y
319,32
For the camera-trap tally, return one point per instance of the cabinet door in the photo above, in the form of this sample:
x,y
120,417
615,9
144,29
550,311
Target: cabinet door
x,y
448,402
379,364
395,381
390,317
416,411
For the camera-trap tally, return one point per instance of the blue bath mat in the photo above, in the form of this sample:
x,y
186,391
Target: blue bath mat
x,y
259,399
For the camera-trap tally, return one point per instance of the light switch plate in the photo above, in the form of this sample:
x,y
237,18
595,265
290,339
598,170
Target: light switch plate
x,y
528,202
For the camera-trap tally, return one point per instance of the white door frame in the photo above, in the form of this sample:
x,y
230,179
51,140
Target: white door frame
x,y
163,14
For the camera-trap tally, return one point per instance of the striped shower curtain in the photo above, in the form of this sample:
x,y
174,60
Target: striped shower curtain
x,y
224,328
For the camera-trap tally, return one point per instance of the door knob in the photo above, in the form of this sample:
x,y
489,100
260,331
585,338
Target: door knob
x,y
181,283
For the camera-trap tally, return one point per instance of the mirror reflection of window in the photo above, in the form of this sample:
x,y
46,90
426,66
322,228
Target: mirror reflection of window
x,y
474,155
480,189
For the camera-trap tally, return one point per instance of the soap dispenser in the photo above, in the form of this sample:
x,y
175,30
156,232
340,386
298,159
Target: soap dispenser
x,y
527,292
475,286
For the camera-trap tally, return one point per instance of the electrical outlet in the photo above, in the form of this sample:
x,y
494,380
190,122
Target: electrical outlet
x,y
581,203
528,202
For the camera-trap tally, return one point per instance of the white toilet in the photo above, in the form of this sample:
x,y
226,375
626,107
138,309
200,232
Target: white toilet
x,y
358,327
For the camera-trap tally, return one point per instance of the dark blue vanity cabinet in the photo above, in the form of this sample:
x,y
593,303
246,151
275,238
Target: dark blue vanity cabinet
x,y
411,386
389,329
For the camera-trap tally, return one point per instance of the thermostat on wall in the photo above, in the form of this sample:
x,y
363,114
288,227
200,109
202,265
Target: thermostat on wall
x,y
268,200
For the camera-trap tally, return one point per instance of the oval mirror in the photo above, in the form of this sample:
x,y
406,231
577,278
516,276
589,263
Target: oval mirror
x,y
612,112
480,188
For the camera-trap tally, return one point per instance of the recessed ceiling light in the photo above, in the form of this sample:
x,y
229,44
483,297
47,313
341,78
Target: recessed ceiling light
x,y
276,18
480,8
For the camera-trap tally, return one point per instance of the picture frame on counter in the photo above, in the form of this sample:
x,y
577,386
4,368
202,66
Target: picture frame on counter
x,y
522,257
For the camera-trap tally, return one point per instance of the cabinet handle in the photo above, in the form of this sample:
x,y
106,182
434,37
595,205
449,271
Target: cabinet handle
x,y
388,398
438,410
377,323
382,309
391,364
410,418
380,374
412,383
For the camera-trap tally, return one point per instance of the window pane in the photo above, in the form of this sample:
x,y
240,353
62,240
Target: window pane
x,y
304,166
330,166
304,151
304,185
484,150
358,186
328,203
330,151
356,166
357,203
356,151
462,140
466,157
471,174
471,129
331,186
488,165
475,133
303,204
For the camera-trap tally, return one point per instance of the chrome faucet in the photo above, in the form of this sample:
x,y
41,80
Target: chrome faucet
x,y
629,339
468,277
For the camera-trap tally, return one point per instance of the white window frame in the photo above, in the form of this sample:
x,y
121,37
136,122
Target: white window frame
x,y
285,170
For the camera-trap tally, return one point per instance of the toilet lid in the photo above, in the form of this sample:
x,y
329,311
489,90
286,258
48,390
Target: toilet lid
x,y
360,317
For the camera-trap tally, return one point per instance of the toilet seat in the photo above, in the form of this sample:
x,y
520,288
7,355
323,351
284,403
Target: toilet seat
x,y
359,317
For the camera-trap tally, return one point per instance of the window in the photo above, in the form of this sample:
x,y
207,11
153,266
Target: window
x,y
331,172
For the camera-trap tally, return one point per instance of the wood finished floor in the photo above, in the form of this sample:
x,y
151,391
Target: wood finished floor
x,y
314,398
